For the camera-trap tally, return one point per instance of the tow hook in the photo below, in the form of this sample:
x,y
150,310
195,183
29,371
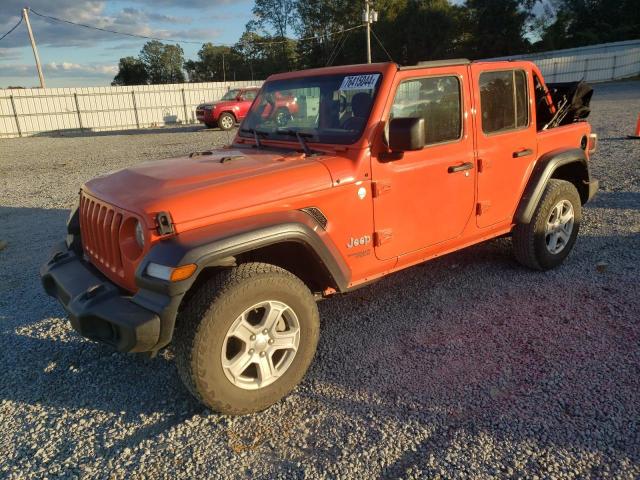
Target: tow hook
x,y
57,257
92,292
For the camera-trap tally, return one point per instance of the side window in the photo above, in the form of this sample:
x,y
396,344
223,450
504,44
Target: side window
x,y
503,100
437,100
249,95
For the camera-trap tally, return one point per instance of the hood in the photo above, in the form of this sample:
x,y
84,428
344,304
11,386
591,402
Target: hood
x,y
210,183
220,103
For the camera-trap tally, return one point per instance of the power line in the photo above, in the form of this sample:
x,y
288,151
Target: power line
x,y
92,27
314,37
337,48
12,29
146,37
380,42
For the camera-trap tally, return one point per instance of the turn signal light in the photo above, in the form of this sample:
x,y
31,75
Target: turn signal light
x,y
171,274
593,142
183,272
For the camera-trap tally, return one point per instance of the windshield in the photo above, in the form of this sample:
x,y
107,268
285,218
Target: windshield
x,y
231,94
326,109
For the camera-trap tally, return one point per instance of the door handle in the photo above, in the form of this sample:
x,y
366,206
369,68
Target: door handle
x,y
522,153
460,168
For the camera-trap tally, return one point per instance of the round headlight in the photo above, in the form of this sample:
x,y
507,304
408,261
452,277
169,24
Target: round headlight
x,y
139,235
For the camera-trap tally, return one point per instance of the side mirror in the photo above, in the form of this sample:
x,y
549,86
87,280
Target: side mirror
x,y
406,134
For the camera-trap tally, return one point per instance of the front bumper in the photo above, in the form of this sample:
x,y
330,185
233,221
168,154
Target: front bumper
x,y
205,116
101,311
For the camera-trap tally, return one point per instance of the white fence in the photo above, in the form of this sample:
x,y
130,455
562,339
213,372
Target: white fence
x,y
597,63
36,111
33,111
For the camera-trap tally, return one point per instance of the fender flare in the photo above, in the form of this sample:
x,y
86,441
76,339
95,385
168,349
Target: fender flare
x,y
217,244
544,169
230,112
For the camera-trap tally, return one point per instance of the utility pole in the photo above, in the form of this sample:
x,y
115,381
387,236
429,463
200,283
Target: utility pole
x,y
368,17
25,16
224,74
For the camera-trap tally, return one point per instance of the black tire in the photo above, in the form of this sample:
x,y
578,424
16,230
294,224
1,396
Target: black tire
x,y
530,240
226,121
283,117
211,124
209,314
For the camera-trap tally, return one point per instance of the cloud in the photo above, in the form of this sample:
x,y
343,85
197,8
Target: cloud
x,y
76,68
9,54
194,4
62,69
141,18
203,34
164,19
136,15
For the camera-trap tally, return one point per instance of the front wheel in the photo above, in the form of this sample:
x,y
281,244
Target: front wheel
x,y
226,121
246,338
547,239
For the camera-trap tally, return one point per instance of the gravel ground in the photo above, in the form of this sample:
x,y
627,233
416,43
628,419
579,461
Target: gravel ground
x,y
466,367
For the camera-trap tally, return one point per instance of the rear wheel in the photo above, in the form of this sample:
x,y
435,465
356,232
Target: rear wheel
x,y
246,338
226,121
548,238
283,117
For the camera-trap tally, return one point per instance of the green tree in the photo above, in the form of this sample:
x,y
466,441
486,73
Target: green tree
x,y
163,62
586,22
211,60
258,56
413,31
493,28
407,30
250,51
273,20
273,16
322,19
131,71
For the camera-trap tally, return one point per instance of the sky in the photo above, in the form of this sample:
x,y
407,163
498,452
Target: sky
x,y
74,56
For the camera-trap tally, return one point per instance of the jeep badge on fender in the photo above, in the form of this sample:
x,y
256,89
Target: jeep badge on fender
x,y
224,253
356,242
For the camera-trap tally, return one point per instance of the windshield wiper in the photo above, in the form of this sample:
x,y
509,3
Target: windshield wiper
x,y
256,135
300,136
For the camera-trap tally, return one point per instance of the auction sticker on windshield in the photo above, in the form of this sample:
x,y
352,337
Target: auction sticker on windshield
x,y
360,82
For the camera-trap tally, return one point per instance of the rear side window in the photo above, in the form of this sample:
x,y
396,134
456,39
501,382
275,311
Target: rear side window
x,y
250,94
437,100
503,100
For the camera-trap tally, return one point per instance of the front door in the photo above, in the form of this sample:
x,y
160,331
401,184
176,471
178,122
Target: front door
x,y
248,96
427,196
505,139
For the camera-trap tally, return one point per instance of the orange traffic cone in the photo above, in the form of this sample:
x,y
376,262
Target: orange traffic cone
x,y
637,132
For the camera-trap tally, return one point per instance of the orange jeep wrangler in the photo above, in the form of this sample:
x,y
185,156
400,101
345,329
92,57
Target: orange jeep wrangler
x,y
224,253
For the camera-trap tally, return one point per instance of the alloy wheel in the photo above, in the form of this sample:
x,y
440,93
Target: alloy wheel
x,y
559,226
260,345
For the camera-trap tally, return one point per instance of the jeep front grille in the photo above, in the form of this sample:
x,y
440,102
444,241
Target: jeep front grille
x,y
100,228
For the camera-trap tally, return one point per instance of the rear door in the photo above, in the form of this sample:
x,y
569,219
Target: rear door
x,y
427,196
505,138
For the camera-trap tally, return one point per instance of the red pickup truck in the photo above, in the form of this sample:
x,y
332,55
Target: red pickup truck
x,y
224,253
235,104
